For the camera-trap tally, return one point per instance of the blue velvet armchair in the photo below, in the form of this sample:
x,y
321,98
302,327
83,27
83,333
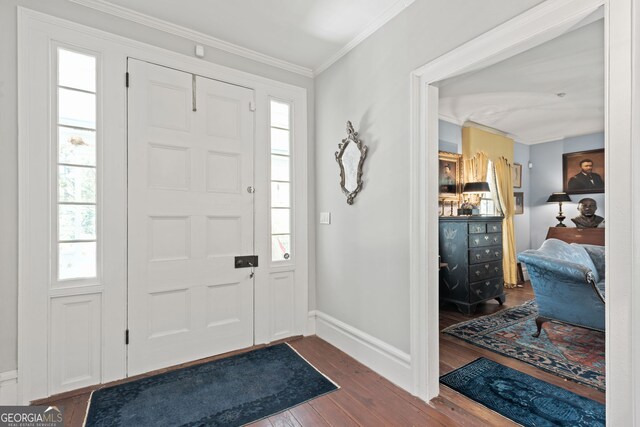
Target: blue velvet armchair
x,y
568,282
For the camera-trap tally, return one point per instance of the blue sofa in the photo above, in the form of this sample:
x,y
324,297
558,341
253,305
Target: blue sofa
x,y
568,282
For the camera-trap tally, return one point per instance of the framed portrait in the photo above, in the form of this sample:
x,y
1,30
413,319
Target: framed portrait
x,y
516,177
583,172
519,202
449,175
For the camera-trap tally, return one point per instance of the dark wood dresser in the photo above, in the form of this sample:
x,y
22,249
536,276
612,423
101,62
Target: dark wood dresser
x,y
472,248
585,236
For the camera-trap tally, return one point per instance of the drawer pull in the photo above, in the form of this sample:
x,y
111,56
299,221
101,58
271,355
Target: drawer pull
x,y
487,238
478,272
486,251
477,256
477,241
487,283
497,269
497,254
486,266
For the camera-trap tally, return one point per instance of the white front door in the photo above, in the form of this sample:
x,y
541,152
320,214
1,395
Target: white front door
x,y
190,163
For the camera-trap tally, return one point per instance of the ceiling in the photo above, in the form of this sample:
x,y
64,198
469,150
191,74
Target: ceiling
x,y
523,96
307,33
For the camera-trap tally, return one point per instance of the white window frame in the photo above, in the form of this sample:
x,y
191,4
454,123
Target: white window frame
x,y
292,186
55,144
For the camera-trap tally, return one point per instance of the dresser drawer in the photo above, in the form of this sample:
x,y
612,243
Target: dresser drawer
x,y
494,227
477,227
481,240
485,271
485,289
485,254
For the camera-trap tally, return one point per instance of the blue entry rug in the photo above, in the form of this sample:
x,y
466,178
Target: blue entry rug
x,y
523,398
227,392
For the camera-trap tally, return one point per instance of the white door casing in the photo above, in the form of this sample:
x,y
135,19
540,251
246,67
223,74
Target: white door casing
x,y
98,313
190,214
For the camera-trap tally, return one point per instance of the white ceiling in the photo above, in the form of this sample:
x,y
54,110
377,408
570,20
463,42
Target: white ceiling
x,y
518,96
307,33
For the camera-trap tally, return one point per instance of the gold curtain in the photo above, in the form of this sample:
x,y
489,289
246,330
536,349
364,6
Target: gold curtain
x,y
505,195
475,170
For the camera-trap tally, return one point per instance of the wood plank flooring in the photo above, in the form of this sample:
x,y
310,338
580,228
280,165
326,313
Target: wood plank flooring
x,y
367,399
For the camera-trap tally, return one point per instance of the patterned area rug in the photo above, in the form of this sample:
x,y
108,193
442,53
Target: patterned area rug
x,y
568,351
523,398
227,392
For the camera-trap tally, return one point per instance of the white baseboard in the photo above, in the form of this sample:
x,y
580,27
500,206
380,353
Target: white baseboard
x,y
310,328
9,388
388,361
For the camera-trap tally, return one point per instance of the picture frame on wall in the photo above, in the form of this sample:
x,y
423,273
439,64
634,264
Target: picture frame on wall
x,y
583,172
516,178
449,175
519,202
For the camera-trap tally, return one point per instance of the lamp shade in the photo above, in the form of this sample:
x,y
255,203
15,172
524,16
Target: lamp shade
x,y
476,187
558,197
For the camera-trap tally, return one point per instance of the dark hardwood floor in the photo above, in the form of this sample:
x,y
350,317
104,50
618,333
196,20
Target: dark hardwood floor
x,y
367,399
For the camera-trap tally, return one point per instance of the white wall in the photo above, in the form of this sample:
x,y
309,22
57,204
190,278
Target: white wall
x,y
362,258
546,178
9,137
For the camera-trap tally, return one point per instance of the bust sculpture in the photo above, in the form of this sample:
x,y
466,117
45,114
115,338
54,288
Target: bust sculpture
x,y
587,218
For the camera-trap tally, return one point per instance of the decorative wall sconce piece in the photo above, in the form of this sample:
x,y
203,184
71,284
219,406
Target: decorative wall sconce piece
x,y
350,157
559,198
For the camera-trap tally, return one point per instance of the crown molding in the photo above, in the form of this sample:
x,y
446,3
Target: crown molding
x,y
378,22
196,36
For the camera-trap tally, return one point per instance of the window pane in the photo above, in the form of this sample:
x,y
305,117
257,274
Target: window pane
x,y
76,108
76,222
76,146
76,70
280,141
280,114
76,184
76,260
279,168
280,195
280,245
280,221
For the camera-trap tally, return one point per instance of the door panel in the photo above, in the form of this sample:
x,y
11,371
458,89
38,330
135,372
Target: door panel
x,y
189,214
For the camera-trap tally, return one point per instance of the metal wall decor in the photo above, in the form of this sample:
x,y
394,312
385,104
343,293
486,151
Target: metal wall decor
x,y
350,157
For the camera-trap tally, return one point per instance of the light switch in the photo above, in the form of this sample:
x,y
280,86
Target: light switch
x,y
325,217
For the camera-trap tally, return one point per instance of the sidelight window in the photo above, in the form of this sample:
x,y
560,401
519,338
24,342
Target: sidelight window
x,y
281,183
76,172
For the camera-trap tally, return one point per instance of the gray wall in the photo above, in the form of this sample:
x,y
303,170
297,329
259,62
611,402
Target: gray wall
x,y
362,258
546,178
9,135
522,223
449,137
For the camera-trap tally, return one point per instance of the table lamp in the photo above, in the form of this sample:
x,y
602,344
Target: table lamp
x,y
473,188
559,197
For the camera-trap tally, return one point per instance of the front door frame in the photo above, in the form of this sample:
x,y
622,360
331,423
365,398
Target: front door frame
x,y
536,26
32,317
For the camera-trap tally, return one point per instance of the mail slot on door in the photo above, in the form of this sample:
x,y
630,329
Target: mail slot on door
x,y
246,261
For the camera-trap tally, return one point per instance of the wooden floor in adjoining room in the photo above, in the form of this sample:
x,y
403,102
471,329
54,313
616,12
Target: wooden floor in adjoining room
x,y
367,399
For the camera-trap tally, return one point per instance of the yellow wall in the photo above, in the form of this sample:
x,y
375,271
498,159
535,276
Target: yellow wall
x,y
493,145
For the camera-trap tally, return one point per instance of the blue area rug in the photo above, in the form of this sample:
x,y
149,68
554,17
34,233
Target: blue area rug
x,y
523,398
228,392
569,351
